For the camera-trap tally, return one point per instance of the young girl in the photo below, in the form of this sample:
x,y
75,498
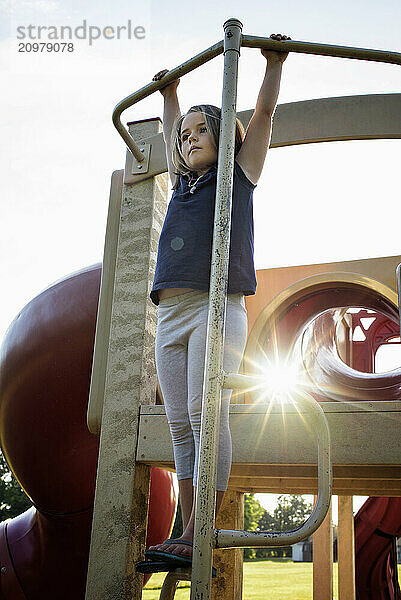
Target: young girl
x,y
181,282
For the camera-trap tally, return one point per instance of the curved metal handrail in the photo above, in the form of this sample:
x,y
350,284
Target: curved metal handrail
x,y
153,87
247,41
304,402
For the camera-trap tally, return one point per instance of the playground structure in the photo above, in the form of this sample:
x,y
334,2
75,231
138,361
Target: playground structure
x,y
40,442
206,537
123,390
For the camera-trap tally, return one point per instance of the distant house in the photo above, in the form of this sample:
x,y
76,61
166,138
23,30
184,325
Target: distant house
x,y
303,551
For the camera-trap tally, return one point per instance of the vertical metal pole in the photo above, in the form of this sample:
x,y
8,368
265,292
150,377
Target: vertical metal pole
x,y
213,377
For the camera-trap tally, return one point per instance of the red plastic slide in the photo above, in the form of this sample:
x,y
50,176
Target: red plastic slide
x,y
45,370
377,526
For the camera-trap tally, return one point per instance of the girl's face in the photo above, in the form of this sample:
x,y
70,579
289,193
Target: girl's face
x,y
197,144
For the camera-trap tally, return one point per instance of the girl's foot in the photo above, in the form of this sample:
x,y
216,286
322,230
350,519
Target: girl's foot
x,y
175,547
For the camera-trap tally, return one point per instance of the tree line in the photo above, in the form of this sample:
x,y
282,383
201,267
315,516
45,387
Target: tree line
x,y
289,513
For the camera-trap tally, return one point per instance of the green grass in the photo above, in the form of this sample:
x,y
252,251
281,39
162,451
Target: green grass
x,y
153,587
276,579
280,578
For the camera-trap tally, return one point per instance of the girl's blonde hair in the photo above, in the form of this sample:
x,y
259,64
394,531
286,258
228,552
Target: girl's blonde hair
x,y
213,118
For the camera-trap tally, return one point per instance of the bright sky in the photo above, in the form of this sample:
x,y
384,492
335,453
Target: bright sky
x,y
59,148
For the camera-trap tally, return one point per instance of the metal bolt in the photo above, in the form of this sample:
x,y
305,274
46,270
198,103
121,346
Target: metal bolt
x,y
3,569
229,34
139,166
142,149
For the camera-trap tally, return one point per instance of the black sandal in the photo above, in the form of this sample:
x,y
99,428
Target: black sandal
x,y
173,559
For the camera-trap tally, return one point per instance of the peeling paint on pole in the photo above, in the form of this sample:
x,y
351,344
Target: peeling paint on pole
x,y
204,539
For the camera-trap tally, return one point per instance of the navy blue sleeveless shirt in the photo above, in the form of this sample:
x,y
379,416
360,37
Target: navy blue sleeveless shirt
x,y
185,244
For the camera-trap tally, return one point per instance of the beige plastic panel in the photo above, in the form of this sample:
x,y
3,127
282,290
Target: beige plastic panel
x,y
366,448
371,116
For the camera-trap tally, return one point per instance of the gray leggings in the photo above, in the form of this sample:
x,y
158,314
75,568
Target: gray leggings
x,y
180,358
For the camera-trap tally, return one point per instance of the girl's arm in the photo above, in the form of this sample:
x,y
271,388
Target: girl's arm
x,y
170,112
252,154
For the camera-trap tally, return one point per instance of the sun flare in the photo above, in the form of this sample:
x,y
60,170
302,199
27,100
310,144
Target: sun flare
x,y
281,380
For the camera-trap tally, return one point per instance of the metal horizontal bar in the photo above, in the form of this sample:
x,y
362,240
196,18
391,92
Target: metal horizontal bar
x,y
235,381
247,41
251,41
153,87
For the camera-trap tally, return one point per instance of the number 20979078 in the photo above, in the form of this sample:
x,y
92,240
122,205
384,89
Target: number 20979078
x,y
46,47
